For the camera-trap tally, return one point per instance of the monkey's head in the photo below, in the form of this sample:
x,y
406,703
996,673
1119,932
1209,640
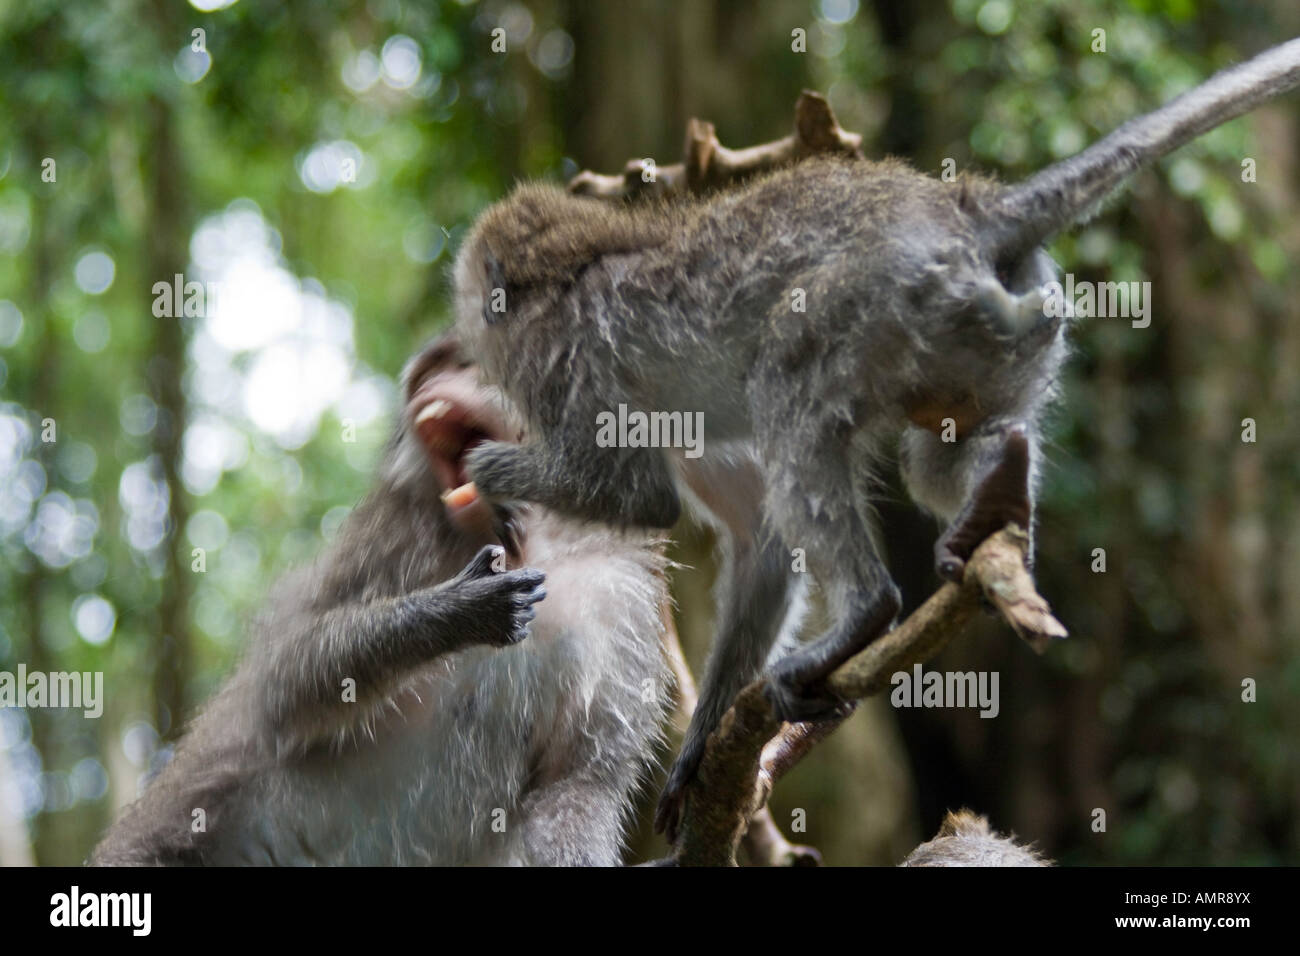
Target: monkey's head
x,y
448,412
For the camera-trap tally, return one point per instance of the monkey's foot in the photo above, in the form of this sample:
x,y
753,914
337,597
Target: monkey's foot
x,y
794,698
672,802
796,684
801,856
1001,497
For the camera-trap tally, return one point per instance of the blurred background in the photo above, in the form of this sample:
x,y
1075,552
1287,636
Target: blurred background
x,y
317,163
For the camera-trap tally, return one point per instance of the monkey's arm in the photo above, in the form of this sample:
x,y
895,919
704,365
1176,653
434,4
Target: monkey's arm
x,y
374,643
572,475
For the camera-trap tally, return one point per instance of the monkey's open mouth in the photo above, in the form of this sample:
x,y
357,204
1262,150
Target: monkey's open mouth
x,y
449,431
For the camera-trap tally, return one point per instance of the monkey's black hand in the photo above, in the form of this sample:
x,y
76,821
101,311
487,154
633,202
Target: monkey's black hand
x,y
497,605
1001,497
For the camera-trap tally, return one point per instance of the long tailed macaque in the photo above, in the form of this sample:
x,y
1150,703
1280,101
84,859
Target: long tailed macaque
x,y
819,313
393,708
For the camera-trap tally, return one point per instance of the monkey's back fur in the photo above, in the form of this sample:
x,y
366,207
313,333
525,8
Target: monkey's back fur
x,y
833,298
885,262
545,739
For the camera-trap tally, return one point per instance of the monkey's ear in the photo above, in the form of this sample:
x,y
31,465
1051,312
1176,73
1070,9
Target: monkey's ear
x,y
442,350
497,295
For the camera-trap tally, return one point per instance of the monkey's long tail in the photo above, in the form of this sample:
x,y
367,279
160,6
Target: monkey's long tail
x,y
1070,191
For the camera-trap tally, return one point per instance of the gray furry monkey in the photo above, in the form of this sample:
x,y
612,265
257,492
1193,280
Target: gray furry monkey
x,y
965,839
463,721
817,313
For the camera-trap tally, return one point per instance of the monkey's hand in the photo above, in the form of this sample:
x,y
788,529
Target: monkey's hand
x,y
1001,498
502,471
480,518
495,606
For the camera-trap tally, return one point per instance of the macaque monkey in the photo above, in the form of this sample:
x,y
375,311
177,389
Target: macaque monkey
x,y
965,839
818,314
465,739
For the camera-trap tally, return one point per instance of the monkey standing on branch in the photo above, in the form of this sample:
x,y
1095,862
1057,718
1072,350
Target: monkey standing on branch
x,y
470,741
817,312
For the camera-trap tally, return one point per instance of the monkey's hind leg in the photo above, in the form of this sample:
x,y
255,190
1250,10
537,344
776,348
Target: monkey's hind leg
x,y
818,511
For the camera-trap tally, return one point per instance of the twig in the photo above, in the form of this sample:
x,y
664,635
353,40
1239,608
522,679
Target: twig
x,y
708,164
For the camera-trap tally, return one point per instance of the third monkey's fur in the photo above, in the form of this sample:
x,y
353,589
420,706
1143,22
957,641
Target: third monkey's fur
x,y
965,839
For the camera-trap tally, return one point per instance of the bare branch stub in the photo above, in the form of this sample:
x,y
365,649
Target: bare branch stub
x,y
733,783
709,165
790,746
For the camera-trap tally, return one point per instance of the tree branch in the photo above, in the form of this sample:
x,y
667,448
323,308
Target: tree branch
x,y
742,760
708,164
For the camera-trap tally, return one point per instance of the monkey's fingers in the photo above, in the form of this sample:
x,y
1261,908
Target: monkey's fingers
x,y
525,590
487,561
797,685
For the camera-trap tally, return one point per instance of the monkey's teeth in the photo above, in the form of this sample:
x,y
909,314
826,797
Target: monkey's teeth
x,y
462,496
435,409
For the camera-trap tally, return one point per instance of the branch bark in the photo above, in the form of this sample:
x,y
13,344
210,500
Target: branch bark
x,y
708,165
743,760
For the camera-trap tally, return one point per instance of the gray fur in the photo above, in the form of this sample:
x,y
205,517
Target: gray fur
x,y
555,730
965,839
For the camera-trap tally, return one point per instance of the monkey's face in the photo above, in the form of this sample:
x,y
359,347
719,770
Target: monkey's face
x,y
449,412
